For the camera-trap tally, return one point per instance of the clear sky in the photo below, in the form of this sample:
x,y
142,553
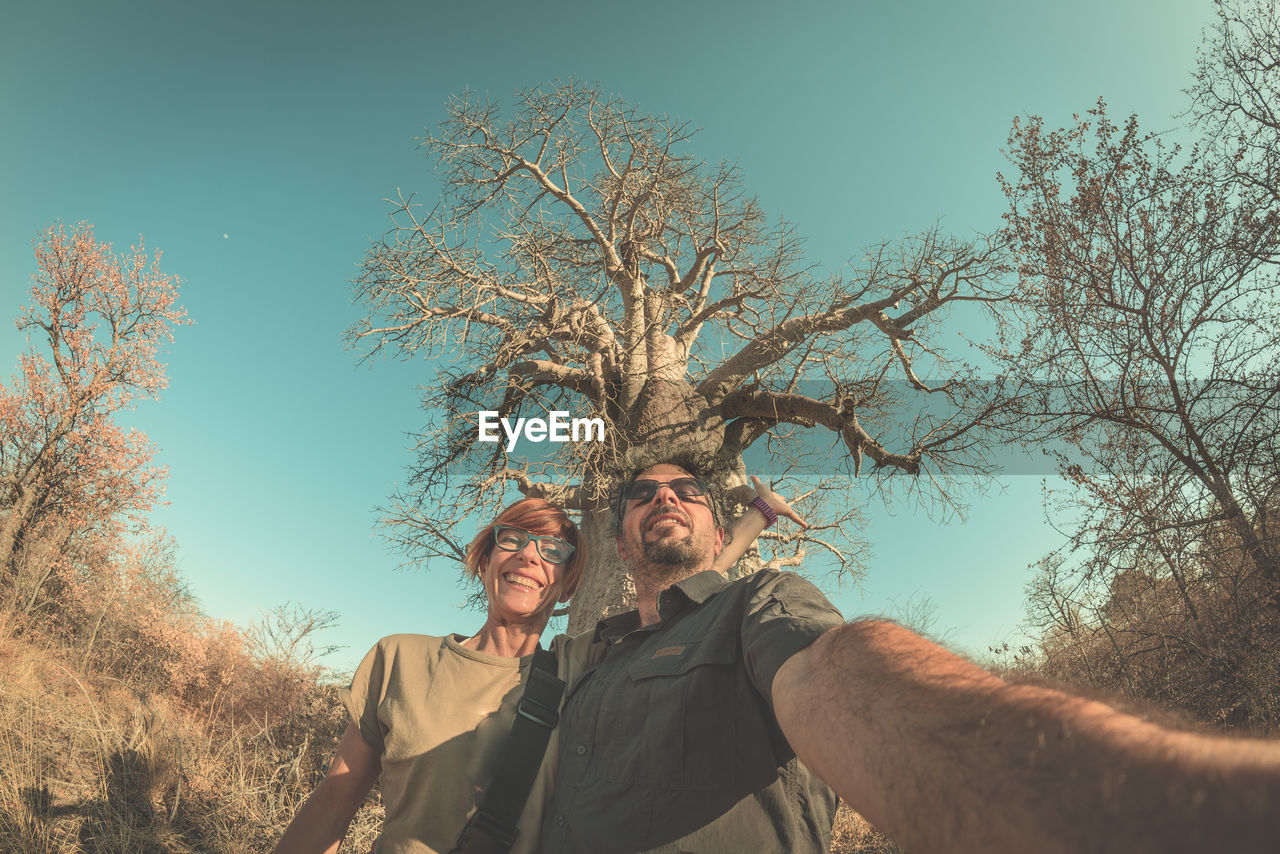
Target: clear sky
x,y
254,144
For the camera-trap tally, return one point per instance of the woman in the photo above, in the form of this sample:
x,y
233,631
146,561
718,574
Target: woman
x,y
431,714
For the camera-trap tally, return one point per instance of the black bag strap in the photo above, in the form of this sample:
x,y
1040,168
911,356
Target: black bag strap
x,y
492,827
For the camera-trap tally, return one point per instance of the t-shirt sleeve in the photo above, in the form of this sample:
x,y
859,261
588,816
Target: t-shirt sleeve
x,y
361,699
783,616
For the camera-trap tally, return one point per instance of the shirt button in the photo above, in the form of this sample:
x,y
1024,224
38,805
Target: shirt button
x,y
560,821
581,749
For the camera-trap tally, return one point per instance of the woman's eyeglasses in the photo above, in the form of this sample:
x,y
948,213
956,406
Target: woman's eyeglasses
x,y
551,549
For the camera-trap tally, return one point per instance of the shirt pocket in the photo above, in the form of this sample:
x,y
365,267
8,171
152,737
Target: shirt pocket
x,y
680,716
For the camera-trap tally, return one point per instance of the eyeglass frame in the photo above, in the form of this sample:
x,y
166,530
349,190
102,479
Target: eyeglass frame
x,y
537,543
622,501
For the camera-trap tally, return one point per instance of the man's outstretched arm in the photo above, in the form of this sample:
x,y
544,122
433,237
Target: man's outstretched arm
x,y
945,757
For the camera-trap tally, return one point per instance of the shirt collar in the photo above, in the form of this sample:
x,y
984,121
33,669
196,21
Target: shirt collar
x,y
695,589
701,586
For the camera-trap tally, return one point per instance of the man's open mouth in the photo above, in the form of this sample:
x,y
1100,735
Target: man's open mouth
x,y
666,518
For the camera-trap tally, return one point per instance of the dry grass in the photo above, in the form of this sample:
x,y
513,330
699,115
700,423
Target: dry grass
x,y
130,722
853,834
89,765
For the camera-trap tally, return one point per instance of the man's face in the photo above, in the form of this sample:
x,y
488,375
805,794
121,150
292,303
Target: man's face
x,y
668,535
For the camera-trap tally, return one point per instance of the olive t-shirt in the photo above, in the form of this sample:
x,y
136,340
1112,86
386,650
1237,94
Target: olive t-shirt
x,y
439,715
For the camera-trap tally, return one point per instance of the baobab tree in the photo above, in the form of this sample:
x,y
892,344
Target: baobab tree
x,y
581,259
71,478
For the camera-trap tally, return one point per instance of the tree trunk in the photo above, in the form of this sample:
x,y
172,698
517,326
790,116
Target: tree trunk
x,y
669,418
15,520
606,586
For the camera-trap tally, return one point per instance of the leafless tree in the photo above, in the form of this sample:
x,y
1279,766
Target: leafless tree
x,y
1235,97
1154,356
582,259
286,637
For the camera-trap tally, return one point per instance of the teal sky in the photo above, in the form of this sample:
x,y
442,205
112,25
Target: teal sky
x,y
254,143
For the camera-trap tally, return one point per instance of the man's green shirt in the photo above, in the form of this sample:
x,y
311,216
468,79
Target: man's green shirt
x,y
669,743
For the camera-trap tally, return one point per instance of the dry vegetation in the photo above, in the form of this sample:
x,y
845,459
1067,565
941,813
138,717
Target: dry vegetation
x,y
1152,356
853,834
129,721
149,728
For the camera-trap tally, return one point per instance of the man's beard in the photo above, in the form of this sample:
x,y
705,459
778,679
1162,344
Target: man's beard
x,y
665,562
668,560
676,554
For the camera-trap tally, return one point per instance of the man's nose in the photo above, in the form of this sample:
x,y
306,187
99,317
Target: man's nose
x,y
664,494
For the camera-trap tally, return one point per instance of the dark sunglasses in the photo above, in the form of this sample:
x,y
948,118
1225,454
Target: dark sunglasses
x,y
550,549
685,488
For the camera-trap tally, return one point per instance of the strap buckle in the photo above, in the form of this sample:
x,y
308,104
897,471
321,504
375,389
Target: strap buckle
x,y
485,833
540,714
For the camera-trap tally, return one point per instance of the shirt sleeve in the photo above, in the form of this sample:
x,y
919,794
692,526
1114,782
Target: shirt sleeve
x,y
784,615
362,697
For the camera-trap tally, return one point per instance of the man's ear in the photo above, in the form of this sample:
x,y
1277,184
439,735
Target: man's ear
x,y
718,545
622,552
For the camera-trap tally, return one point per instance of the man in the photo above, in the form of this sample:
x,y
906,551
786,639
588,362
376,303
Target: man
x,y
690,733
669,743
